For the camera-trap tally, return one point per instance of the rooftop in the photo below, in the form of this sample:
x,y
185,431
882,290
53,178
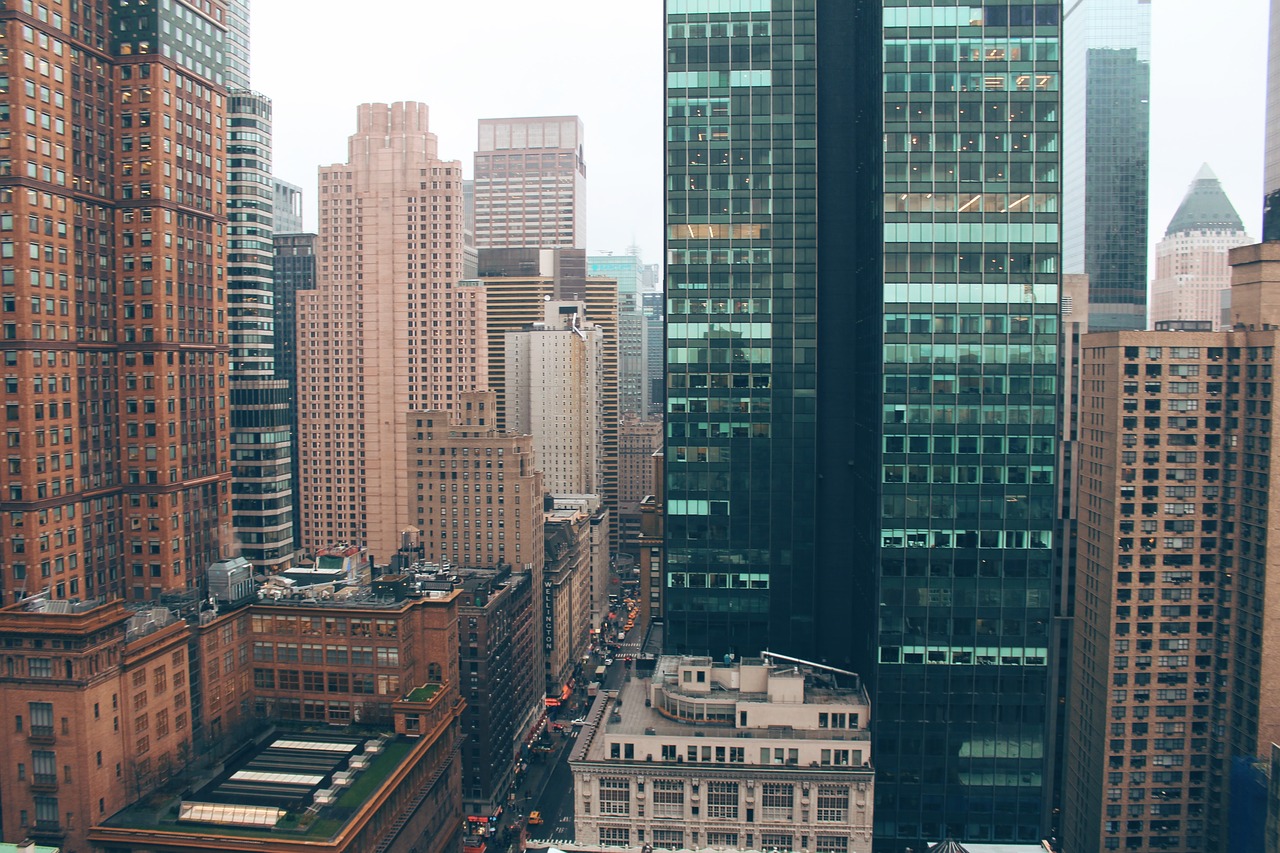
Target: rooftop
x,y
1205,207
301,785
637,707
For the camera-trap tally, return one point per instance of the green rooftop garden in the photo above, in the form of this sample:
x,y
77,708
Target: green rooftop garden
x,y
160,811
423,693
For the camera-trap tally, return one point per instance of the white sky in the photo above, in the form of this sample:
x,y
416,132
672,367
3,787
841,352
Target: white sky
x,y
602,60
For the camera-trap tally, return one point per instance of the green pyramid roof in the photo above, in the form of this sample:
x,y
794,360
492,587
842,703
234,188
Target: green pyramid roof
x,y
1205,207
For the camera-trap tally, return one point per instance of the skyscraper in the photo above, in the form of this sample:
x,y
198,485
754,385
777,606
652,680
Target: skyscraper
x,y
1271,175
117,480
294,270
766,481
262,497
555,376
1193,278
530,183
1174,658
627,270
970,362
1106,144
808,335
387,332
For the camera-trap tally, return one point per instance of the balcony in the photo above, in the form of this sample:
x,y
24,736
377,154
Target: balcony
x,y
46,829
40,734
44,782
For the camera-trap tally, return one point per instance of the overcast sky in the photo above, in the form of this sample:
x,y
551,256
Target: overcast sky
x,y
602,60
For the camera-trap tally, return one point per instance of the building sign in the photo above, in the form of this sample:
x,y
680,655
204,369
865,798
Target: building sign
x,y
548,633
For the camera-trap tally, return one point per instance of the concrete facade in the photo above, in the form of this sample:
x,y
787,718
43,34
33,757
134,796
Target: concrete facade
x,y
388,329
530,183
555,375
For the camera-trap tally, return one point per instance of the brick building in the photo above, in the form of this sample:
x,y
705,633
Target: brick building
x,y
1174,624
476,493
388,329
99,714
499,679
112,248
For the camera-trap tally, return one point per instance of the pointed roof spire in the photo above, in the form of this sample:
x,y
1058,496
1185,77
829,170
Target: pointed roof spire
x,y
1205,207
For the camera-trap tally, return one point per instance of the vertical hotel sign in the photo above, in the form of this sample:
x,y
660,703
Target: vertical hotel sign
x,y
547,633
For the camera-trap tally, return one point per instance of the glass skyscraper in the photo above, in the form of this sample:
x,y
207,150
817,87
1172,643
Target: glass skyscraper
x,y
1106,116
971,229
972,104
764,390
863,267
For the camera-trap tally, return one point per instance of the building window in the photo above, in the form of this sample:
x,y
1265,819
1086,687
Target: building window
x,y
41,714
615,836
722,839
831,844
668,839
833,803
668,798
722,800
615,797
777,800
771,843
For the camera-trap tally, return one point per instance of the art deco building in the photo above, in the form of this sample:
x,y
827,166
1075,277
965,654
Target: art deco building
x,y
476,490
1105,152
113,254
752,755
1174,640
1193,278
387,331
530,183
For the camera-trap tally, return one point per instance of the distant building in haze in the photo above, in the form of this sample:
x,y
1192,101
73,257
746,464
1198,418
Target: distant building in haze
x,y
1192,273
287,206
530,183
389,330
1106,106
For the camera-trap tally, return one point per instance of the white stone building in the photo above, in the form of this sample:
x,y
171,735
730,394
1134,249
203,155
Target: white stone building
x,y
755,755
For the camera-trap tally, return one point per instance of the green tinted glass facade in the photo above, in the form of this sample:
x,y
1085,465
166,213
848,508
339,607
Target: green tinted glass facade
x,y
741,337
971,229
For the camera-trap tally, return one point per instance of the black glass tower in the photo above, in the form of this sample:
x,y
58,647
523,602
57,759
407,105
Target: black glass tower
x,y
970,360
863,266
772,324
